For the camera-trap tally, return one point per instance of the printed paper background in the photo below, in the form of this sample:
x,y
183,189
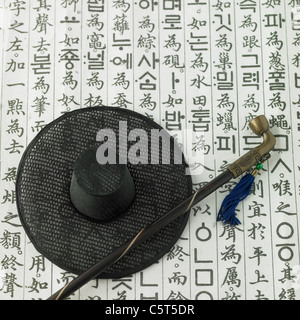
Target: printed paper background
x,y
206,66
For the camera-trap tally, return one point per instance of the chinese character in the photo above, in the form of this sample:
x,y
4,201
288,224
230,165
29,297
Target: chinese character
x,y
231,277
42,23
172,43
121,24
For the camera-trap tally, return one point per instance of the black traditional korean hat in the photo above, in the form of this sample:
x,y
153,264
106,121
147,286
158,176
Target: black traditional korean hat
x,y
76,211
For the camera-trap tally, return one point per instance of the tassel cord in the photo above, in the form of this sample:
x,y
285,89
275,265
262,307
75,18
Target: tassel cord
x,y
240,192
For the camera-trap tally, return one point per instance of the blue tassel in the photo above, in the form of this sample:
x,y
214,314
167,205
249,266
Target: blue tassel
x,y
238,194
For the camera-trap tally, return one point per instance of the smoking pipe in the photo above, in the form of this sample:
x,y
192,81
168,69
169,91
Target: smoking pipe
x,y
260,127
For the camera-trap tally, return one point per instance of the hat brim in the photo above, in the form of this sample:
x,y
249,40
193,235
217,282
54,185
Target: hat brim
x,y
73,241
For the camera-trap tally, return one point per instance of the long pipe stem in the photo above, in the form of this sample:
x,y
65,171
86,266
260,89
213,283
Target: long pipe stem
x,y
141,236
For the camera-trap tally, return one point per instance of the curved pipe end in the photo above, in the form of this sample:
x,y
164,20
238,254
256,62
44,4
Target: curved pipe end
x,y
260,126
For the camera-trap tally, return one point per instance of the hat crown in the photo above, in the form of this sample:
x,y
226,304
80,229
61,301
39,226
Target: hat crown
x,y
100,191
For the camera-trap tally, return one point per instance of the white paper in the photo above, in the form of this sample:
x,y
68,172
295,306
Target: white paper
x,y
202,66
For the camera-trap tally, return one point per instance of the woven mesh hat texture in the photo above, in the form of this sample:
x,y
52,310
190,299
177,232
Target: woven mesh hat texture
x,y
68,238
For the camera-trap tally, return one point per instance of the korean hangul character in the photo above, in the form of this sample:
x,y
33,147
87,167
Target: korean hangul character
x,y
174,82
251,79
226,143
121,43
298,118
224,24
70,20
295,20
148,84
151,64
69,55
146,4
127,61
248,5
201,120
225,80
95,5
277,84
173,120
172,4
196,3
198,43
273,20
297,80
96,62
172,22
41,64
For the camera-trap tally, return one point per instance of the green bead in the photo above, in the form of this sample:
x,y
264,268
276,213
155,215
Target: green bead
x,y
259,166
